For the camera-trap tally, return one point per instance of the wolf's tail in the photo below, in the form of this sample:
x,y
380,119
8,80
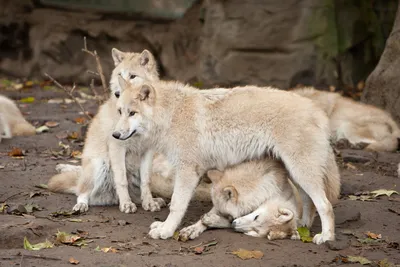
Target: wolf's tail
x,y
65,182
332,179
23,129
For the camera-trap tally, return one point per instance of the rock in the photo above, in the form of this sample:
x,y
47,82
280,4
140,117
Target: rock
x,y
338,244
346,214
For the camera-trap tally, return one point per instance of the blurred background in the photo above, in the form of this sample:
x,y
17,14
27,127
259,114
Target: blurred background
x,y
324,43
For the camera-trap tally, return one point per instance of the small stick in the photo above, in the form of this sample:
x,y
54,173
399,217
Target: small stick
x,y
98,64
69,93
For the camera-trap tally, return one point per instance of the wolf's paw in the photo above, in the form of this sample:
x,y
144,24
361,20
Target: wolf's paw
x,y
322,238
295,235
160,231
153,204
252,233
191,232
127,207
81,207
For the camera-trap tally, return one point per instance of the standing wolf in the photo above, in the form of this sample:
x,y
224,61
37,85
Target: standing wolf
x,y
197,133
102,179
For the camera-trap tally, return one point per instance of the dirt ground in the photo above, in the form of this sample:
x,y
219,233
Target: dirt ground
x,y
104,227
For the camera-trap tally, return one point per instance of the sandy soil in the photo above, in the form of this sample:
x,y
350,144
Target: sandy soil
x,y
108,227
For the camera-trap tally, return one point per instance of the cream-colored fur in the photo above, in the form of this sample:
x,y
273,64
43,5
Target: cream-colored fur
x,y
12,122
103,179
257,196
198,133
357,122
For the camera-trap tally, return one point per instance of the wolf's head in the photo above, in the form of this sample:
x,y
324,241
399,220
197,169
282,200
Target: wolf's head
x,y
135,68
270,221
134,103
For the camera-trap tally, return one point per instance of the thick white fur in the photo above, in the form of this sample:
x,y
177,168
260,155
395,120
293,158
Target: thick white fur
x,y
357,122
12,122
103,179
257,196
197,133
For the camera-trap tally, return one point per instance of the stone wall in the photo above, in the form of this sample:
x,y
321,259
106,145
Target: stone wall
x,y
217,42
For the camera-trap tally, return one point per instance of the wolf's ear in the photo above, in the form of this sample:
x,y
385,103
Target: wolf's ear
x,y
147,59
117,56
215,175
146,93
230,193
284,215
123,84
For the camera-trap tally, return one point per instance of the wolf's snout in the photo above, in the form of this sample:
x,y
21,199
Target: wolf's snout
x,y
234,224
116,135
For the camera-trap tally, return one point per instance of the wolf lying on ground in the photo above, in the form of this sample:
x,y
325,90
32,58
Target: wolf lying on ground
x,y
12,122
260,192
356,122
197,133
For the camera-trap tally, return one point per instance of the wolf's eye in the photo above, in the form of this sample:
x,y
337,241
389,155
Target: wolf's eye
x,y
119,111
117,94
255,218
132,113
133,76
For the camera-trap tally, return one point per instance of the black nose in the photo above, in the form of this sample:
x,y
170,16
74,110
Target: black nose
x,y
234,224
116,135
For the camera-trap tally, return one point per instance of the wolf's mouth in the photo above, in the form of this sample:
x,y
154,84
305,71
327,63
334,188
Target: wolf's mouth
x,y
129,135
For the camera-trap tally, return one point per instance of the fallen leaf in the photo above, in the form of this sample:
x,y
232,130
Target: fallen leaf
x,y
28,84
368,240
373,235
34,194
42,129
97,248
16,152
73,135
80,120
110,249
52,124
73,261
350,166
3,207
198,250
382,192
38,246
63,213
75,220
55,101
385,263
248,254
305,234
76,154
18,86
43,186
176,236
358,259
30,99
66,238
62,135
361,198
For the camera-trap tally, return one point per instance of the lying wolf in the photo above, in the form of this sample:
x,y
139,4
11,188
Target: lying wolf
x,y
356,122
197,133
12,122
257,199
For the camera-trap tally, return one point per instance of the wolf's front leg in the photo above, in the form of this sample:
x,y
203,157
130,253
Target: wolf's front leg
x,y
117,158
211,219
148,202
186,180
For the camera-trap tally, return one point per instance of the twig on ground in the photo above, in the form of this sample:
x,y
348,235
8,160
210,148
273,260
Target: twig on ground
x,y
30,257
98,67
70,94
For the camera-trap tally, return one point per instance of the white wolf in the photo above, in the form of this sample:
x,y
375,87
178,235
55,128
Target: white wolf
x,y
12,122
197,133
257,196
356,122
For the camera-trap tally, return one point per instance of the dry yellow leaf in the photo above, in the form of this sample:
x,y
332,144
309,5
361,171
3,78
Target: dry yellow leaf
x,y
248,254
